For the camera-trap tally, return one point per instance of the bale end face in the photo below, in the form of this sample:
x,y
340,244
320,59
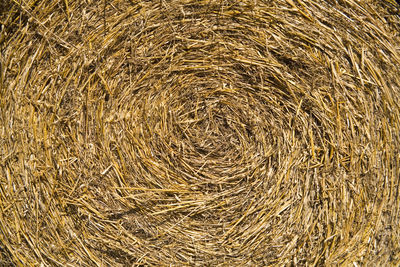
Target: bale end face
x,y
199,133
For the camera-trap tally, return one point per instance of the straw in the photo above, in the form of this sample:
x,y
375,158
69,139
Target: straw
x,y
199,133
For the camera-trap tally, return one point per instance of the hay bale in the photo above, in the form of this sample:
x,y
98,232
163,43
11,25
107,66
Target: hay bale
x,y
199,133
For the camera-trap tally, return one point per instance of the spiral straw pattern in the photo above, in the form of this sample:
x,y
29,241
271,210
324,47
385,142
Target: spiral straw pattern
x,y
205,133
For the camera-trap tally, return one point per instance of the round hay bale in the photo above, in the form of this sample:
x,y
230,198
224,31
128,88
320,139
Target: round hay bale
x,y
199,133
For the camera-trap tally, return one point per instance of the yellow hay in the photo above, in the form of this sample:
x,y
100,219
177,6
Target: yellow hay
x,y
199,133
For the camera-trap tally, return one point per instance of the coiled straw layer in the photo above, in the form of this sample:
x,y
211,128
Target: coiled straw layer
x,y
199,133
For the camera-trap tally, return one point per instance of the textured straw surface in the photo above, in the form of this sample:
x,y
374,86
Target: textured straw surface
x,y
199,133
